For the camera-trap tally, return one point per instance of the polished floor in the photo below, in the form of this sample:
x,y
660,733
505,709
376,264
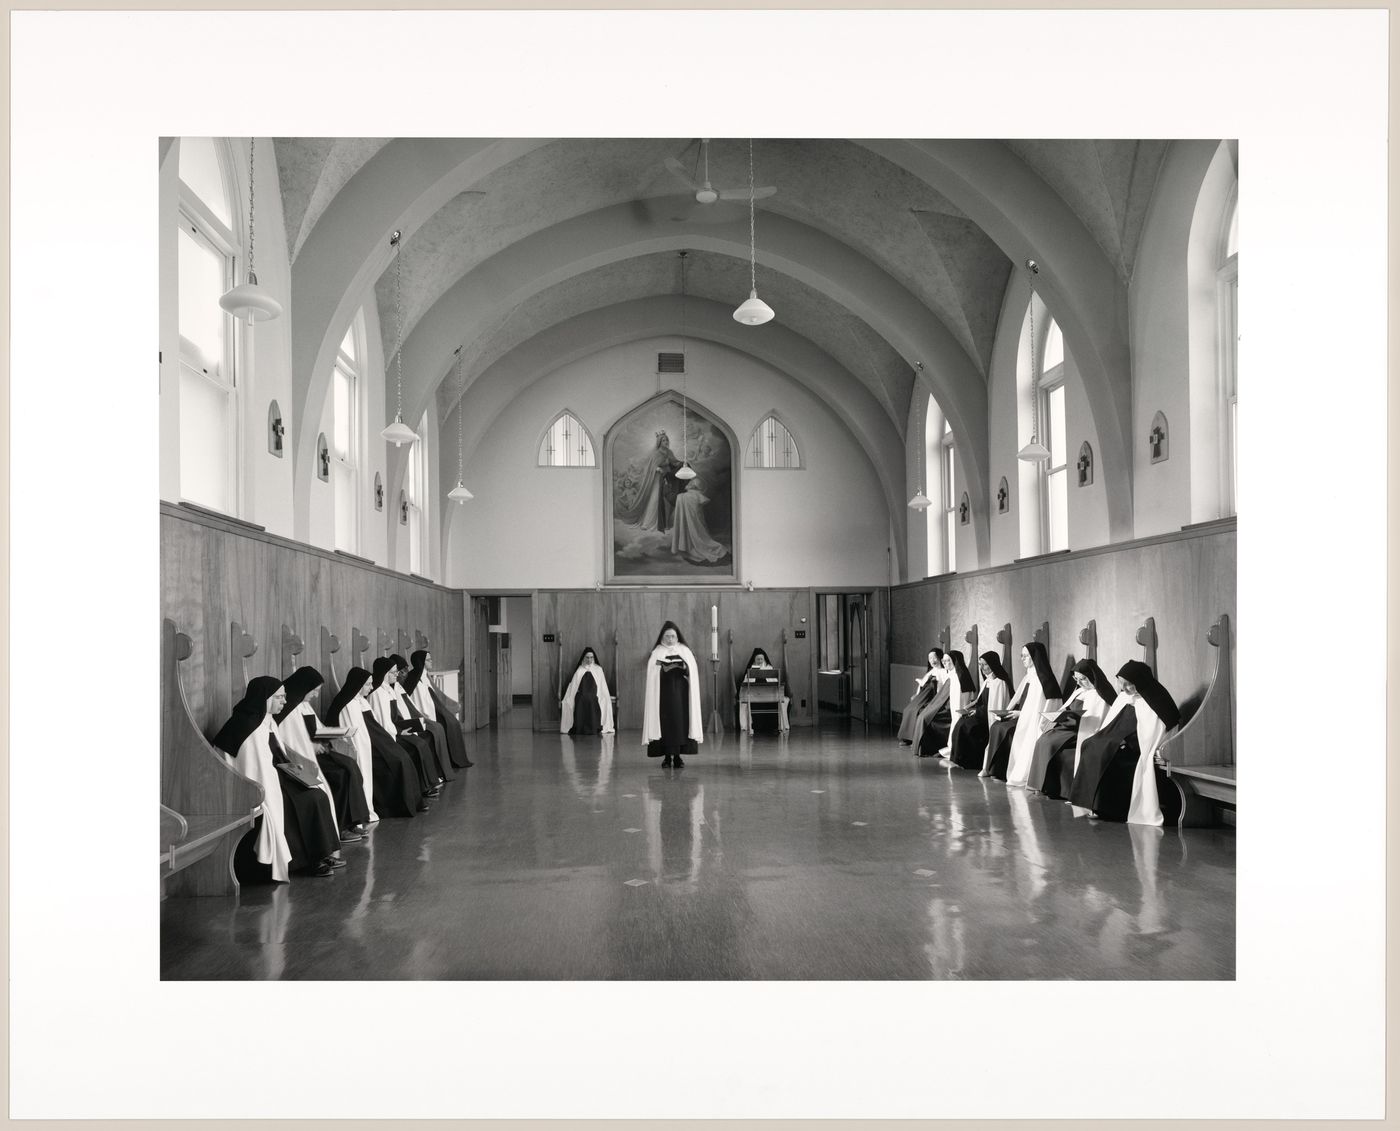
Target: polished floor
x,y
830,854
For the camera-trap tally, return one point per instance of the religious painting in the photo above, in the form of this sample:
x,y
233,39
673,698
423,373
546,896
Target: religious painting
x,y
667,528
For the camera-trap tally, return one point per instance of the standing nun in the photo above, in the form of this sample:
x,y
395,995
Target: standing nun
x,y
295,828
1057,750
1103,780
968,742
398,789
587,703
298,729
925,688
1043,696
671,722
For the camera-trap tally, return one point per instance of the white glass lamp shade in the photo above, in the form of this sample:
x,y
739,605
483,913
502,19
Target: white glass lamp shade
x,y
686,472
1034,452
459,493
753,311
250,301
920,501
399,433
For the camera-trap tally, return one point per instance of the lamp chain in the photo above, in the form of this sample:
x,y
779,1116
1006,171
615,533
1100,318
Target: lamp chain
x,y
252,180
753,270
1035,375
459,417
685,416
398,308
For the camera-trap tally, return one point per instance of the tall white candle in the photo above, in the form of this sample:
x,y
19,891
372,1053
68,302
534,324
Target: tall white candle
x,y
714,617
714,644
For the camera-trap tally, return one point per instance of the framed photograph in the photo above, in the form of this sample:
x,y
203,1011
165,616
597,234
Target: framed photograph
x,y
664,527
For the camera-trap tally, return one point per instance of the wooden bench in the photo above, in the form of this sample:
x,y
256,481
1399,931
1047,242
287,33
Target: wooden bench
x,y
1199,759
206,805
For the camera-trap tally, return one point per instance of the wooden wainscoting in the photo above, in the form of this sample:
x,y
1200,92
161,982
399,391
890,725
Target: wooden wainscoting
x,y
216,571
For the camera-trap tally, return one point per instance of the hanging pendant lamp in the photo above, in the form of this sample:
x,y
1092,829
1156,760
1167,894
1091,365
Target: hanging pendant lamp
x,y
920,501
753,311
1035,451
459,493
249,300
398,433
685,471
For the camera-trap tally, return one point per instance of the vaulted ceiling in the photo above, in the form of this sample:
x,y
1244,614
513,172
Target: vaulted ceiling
x,y
887,261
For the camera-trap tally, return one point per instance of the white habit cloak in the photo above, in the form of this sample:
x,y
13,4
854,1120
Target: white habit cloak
x,y
566,715
291,733
651,712
1144,808
254,761
1018,768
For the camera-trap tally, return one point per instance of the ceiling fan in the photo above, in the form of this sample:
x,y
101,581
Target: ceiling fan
x,y
705,193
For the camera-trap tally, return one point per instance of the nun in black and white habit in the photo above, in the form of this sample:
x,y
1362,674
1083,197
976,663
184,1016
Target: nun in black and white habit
x,y
1057,750
420,723
925,688
299,729
671,721
1117,777
398,788
394,720
295,828
967,744
587,704
431,704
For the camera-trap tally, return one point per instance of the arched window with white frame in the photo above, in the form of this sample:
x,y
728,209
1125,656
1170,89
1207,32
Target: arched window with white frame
x,y
772,446
567,443
346,391
1055,500
208,253
949,498
416,493
1228,301
941,517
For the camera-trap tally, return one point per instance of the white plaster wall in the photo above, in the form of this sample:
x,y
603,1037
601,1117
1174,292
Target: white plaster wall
x,y
1003,426
1159,328
169,316
1088,505
543,527
916,530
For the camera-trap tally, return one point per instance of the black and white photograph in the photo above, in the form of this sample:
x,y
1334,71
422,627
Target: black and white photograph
x,y
800,559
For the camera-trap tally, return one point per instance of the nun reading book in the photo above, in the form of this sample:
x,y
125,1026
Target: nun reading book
x,y
671,722
1117,774
431,705
420,723
925,688
759,672
300,733
1057,750
967,745
935,729
1020,722
398,789
389,716
295,828
587,704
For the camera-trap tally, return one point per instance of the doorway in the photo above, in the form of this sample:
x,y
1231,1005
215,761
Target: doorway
x,y
843,651
501,675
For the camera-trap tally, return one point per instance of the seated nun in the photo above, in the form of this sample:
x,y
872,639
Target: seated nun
x,y
421,724
395,722
356,737
935,739
1106,775
295,827
397,789
1043,695
298,728
587,704
759,670
671,720
1057,750
967,744
427,699
1157,716
925,688
934,719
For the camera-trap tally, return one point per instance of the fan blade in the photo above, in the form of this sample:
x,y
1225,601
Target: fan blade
x,y
743,194
678,171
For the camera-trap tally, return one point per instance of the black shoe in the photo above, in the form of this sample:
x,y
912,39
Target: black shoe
x,y
666,761
678,761
333,862
423,807
436,791
468,765
323,871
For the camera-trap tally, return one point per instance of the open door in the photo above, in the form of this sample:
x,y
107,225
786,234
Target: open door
x,y
484,644
858,660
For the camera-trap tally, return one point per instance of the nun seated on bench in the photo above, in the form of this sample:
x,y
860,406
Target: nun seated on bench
x,y
1116,779
1057,750
302,733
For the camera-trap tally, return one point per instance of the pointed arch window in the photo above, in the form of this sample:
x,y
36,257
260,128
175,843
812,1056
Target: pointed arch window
x,y
1051,363
567,443
416,496
772,447
346,389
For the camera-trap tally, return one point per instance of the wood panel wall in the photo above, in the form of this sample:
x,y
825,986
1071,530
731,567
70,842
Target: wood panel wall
x,y
215,571
580,618
1183,581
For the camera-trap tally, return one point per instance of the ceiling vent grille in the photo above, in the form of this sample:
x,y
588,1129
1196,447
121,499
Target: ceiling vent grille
x,y
670,363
